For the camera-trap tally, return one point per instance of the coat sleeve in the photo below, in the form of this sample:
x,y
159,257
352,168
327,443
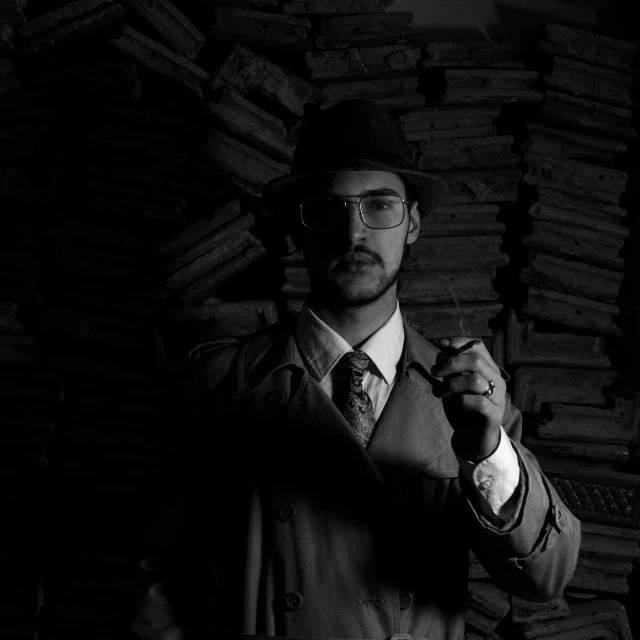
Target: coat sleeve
x,y
534,555
169,589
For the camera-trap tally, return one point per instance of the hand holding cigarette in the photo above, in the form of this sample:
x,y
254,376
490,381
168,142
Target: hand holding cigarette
x,y
473,396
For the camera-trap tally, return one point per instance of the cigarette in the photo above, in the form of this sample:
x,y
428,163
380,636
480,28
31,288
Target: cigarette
x,y
465,347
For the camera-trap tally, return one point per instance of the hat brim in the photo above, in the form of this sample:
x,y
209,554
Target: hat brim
x,y
431,190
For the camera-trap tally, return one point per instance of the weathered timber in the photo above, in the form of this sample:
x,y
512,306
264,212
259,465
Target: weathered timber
x,y
576,449
114,144
158,58
370,89
589,116
31,384
566,241
467,153
101,20
606,497
588,424
58,17
535,385
524,611
372,22
615,542
598,582
430,118
213,258
260,29
500,95
298,283
210,283
442,134
587,621
404,36
572,311
590,47
540,211
241,164
256,5
9,322
501,55
440,321
252,124
400,103
580,203
578,177
462,220
197,231
476,570
489,601
563,143
526,346
362,62
222,235
333,7
589,81
481,186
243,71
490,79
173,27
456,252
227,313
605,564
433,287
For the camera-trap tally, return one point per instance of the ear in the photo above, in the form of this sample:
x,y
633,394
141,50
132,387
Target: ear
x,y
414,224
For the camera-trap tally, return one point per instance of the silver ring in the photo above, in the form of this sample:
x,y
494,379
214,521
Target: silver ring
x,y
490,389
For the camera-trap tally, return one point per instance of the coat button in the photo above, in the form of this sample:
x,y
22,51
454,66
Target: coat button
x,y
406,599
275,398
293,601
285,512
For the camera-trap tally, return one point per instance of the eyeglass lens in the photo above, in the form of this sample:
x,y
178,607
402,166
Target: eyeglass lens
x,y
380,212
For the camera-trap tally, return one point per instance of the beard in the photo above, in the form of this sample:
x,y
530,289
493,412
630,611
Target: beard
x,y
327,289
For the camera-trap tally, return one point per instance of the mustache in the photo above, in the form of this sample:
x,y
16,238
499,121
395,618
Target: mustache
x,y
359,252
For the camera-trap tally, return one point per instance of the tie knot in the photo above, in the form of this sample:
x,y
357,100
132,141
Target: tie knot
x,y
357,360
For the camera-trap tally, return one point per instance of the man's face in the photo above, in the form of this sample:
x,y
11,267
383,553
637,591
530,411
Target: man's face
x,y
352,264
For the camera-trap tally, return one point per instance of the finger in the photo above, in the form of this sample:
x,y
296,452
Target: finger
x,y
471,383
469,362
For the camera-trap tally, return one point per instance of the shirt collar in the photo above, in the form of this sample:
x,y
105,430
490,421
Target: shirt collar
x,y
322,348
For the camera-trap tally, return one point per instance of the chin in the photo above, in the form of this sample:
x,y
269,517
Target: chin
x,y
337,294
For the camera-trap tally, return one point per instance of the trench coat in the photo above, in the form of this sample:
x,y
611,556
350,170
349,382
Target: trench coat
x,y
284,525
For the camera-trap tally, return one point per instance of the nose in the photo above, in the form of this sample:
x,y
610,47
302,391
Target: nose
x,y
354,226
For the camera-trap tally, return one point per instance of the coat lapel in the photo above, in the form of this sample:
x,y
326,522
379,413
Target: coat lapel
x,y
413,434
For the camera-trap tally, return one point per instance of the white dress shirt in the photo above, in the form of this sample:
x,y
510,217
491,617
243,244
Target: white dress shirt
x,y
495,480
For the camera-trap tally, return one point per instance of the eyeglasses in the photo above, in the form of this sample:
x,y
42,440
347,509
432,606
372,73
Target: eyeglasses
x,y
377,212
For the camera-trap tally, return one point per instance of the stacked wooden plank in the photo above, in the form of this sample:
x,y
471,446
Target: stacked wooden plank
x,y
451,269
85,594
20,594
136,164
574,266
201,260
71,22
363,51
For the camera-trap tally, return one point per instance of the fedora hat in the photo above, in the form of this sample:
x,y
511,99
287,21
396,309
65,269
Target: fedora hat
x,y
356,135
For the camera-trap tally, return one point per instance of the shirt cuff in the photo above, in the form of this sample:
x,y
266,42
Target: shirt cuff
x,y
495,480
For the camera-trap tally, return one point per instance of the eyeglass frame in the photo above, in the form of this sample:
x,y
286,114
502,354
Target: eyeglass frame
x,y
357,201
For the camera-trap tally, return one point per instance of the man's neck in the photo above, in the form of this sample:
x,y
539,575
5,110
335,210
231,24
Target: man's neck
x,y
356,324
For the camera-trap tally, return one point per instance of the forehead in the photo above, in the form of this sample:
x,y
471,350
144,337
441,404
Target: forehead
x,y
355,183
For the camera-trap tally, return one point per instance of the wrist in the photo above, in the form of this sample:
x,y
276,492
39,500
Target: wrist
x,y
476,449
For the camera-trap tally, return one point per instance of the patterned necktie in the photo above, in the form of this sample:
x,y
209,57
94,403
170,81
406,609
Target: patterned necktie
x,y
356,405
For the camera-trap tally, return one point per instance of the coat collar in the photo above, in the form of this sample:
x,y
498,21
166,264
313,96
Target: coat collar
x,y
413,434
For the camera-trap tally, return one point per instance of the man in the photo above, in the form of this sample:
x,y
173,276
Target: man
x,y
342,465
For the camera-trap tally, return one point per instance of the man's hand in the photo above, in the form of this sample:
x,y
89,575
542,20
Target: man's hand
x,y
474,411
